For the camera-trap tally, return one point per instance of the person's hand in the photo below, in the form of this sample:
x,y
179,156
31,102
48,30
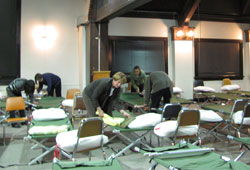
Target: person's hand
x,y
100,112
146,108
125,114
137,90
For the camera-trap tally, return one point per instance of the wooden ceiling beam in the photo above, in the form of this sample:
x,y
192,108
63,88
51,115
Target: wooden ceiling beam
x,y
116,8
188,11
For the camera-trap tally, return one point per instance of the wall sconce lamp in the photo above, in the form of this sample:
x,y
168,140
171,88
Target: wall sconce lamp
x,y
247,32
44,36
182,33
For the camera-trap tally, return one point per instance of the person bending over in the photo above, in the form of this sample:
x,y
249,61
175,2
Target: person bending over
x,y
15,88
103,95
51,80
157,85
138,78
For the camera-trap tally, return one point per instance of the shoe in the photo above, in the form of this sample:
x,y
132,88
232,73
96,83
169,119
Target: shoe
x,y
15,125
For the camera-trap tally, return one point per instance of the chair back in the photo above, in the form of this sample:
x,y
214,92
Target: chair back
x,y
78,103
15,103
226,81
90,127
71,92
171,110
198,83
189,117
246,110
239,104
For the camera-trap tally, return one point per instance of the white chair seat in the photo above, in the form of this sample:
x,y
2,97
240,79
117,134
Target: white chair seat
x,y
209,116
237,117
145,120
67,141
167,129
48,114
68,102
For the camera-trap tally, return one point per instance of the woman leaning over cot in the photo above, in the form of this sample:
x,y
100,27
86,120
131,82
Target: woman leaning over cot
x,y
103,95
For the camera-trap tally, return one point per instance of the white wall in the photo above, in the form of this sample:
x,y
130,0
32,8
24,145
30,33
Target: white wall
x,y
62,59
181,63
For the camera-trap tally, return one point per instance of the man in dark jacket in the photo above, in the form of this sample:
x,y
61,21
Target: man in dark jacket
x,y
15,89
158,85
52,81
103,95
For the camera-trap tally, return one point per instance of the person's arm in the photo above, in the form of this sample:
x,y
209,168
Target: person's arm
x,y
40,87
147,91
133,81
124,113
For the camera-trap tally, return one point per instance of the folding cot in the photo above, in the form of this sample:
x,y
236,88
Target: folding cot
x,y
130,135
49,102
43,130
223,96
133,99
187,156
109,164
245,141
240,92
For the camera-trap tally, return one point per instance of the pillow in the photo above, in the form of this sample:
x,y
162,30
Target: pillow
x,y
68,102
203,89
48,114
67,141
209,116
177,90
237,117
167,129
47,130
145,120
230,87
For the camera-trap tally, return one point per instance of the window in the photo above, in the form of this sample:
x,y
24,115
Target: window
x,y
216,59
10,40
149,53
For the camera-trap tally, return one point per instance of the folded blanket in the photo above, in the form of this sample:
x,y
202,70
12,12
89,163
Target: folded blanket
x,y
112,121
46,130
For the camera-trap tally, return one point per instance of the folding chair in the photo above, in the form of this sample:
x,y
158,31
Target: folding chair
x,y
87,137
78,108
170,110
186,126
238,106
68,102
241,119
13,104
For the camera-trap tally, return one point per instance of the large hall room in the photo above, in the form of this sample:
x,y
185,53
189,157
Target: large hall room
x,y
125,84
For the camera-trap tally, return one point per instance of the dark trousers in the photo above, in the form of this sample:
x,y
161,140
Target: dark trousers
x,y
156,97
57,88
11,93
141,87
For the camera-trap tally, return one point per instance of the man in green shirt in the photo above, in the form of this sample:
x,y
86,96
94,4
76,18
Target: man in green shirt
x,y
138,78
